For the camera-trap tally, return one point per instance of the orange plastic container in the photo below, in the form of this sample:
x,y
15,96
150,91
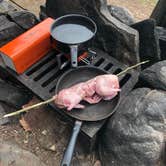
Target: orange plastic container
x,y
25,50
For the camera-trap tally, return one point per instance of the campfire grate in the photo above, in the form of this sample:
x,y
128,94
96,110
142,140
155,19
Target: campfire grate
x,y
42,77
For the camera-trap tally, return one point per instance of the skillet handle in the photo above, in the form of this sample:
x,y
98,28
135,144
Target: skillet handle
x,y
71,145
74,55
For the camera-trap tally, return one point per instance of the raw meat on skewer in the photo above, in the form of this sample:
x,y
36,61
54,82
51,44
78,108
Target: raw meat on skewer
x,y
70,97
107,86
93,91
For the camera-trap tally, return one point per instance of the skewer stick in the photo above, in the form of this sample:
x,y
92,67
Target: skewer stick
x,y
29,108
53,98
131,67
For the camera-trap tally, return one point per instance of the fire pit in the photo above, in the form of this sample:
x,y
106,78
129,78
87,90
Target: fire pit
x,y
134,135
42,77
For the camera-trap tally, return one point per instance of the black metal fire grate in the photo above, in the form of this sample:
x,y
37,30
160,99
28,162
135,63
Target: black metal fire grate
x,y
42,77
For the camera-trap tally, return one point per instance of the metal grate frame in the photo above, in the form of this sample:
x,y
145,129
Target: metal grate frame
x,y
42,77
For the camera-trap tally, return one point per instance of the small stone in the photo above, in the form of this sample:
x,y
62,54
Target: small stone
x,y
44,132
53,148
16,131
25,141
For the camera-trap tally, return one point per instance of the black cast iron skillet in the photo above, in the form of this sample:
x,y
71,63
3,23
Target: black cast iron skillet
x,y
91,112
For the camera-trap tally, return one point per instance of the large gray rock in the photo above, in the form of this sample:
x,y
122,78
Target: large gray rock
x,y
24,19
15,23
14,96
57,8
155,76
114,37
12,155
3,20
122,14
135,135
8,30
161,32
149,43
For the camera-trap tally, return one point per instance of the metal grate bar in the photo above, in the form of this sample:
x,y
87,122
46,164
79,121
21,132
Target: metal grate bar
x,y
108,66
44,82
39,64
112,69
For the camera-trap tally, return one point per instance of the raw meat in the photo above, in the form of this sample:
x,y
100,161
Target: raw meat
x,y
71,97
93,99
92,91
107,86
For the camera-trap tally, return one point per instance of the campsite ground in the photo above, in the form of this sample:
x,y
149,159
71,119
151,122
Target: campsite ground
x,y
141,9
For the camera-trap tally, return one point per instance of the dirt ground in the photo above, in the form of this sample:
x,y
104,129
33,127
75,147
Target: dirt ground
x,y
47,136
31,5
141,9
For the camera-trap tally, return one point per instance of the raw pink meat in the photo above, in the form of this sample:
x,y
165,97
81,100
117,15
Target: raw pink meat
x,y
93,91
71,97
93,99
89,87
107,86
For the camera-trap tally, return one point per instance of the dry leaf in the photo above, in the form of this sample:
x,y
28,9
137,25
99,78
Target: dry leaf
x,y
25,124
31,102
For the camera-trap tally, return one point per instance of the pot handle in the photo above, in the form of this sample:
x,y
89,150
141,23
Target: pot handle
x,y
74,54
71,145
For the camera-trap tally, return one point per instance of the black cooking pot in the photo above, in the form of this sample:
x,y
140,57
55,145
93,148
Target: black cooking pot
x,y
70,32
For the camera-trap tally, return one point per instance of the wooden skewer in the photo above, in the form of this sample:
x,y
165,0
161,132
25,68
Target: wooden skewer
x,y
29,108
53,98
132,67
